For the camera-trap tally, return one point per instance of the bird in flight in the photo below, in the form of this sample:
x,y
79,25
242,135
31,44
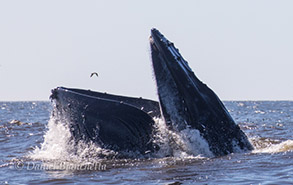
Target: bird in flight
x,y
94,73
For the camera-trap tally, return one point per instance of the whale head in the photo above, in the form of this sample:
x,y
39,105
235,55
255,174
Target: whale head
x,y
186,102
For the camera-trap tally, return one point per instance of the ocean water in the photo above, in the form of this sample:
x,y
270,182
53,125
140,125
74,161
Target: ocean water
x,y
37,149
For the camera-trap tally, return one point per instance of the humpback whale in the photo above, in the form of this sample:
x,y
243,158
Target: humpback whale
x,y
122,123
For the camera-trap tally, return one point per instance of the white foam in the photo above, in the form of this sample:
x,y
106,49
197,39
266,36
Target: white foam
x,y
183,144
59,145
56,143
271,147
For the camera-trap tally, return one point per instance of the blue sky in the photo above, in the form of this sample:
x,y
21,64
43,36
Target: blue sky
x,y
243,50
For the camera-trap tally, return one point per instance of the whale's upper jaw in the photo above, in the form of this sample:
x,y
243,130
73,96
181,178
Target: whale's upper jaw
x,y
168,51
175,80
186,102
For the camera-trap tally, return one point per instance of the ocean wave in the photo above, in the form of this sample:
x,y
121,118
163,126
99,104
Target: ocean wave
x,y
267,145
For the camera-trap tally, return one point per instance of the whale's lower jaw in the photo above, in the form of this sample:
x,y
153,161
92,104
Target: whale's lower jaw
x,y
112,122
188,103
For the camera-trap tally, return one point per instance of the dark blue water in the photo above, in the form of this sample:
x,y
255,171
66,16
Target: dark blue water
x,y
37,150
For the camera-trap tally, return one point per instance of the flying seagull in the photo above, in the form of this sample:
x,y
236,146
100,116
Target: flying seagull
x,y
94,73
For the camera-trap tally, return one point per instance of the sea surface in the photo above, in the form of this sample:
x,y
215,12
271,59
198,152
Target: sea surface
x,y
36,149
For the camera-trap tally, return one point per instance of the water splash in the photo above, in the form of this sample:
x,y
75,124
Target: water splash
x,y
268,145
59,145
183,144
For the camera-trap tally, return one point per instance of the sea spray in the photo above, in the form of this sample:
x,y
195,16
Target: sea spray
x,y
57,142
268,145
186,143
59,145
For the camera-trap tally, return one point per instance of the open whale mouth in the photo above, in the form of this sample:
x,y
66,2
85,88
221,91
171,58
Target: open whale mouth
x,y
124,123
